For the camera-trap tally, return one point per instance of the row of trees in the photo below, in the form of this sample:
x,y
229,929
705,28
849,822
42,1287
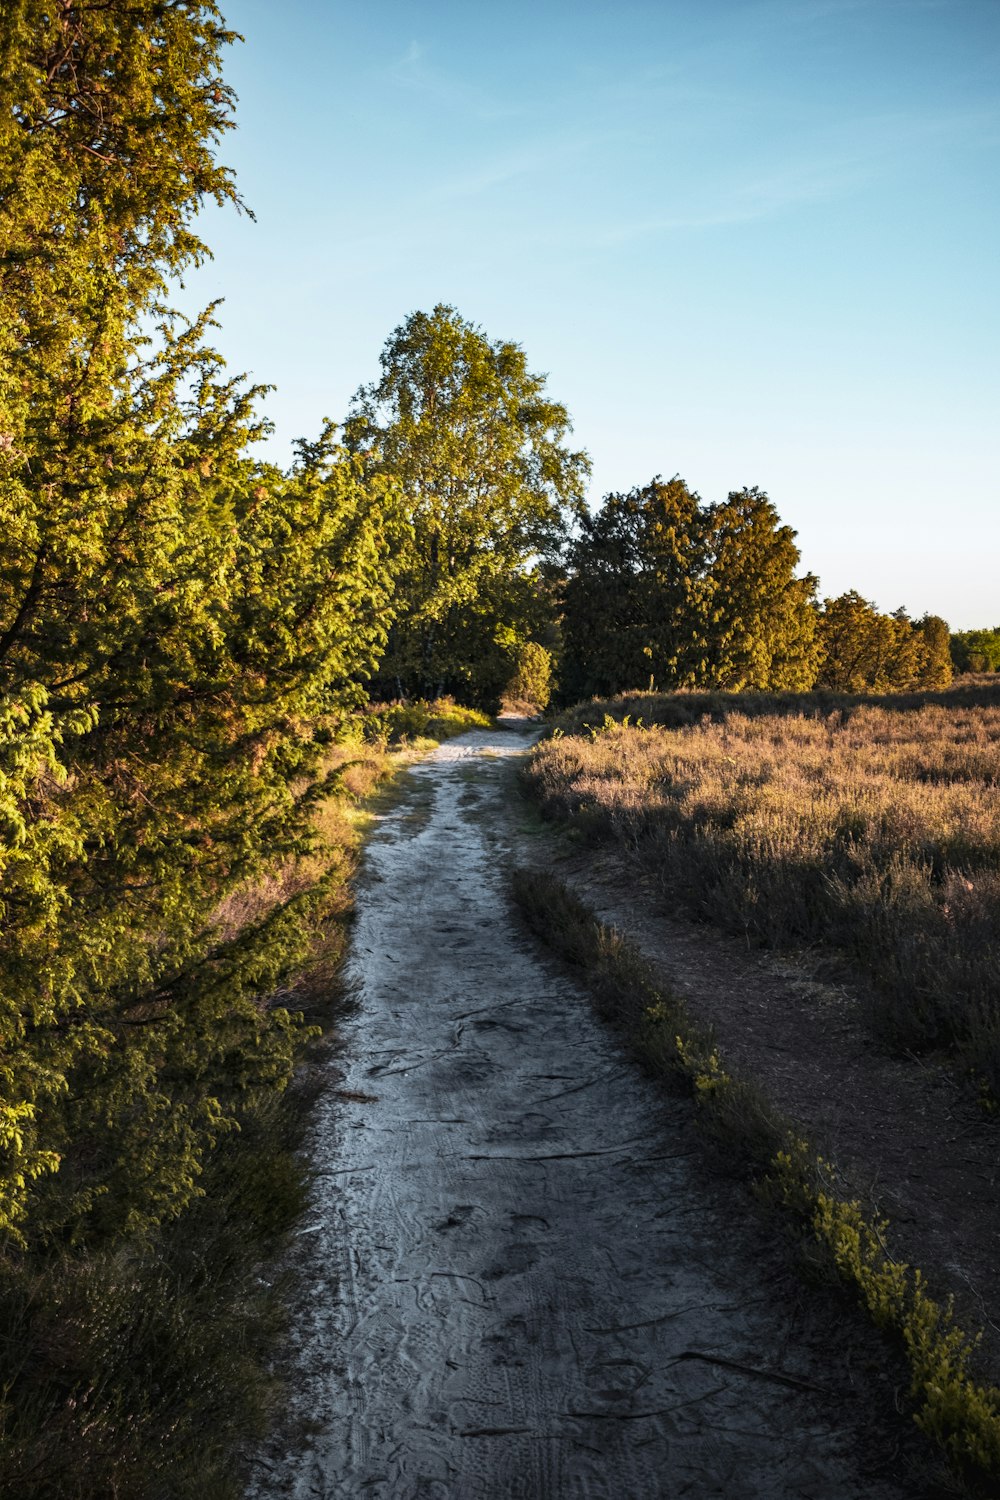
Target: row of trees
x,y
664,591
497,559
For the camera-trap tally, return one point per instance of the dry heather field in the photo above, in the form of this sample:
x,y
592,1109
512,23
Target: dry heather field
x,y
868,827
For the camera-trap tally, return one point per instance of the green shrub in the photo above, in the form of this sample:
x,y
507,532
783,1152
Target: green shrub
x,y
531,685
440,719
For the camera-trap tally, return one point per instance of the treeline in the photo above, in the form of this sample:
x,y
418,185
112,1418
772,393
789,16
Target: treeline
x,y
505,585
183,630
663,591
179,627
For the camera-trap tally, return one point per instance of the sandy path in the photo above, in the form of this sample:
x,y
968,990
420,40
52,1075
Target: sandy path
x,y
516,1281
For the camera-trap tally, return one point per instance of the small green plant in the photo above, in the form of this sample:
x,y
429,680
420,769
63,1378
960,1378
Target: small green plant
x,y
704,1068
960,1414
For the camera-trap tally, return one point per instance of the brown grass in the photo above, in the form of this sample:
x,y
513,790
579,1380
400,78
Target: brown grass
x,y
872,827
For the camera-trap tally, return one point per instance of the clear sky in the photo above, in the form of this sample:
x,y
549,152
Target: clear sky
x,y
749,241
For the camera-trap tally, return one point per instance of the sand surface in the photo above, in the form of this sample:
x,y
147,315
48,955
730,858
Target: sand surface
x,y
517,1278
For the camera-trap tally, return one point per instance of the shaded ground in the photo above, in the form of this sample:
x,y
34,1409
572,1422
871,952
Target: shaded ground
x,y
517,1279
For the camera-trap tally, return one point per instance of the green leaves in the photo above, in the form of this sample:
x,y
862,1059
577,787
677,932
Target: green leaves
x,y
762,622
864,650
475,454
632,595
664,592
976,650
178,624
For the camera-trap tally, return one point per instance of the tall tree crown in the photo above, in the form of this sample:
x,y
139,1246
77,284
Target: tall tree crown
x,y
486,484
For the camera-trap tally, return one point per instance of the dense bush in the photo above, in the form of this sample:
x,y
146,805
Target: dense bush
x,y
402,723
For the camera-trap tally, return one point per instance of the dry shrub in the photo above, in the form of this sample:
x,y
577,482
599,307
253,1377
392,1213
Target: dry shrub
x,y
872,826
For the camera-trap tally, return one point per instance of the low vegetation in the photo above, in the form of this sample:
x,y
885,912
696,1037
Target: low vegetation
x,y
133,1364
871,827
419,723
950,1404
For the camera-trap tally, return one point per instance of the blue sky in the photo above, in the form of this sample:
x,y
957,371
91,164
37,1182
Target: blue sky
x,y
749,243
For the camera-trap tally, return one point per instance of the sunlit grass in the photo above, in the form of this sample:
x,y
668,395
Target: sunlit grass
x,y
872,827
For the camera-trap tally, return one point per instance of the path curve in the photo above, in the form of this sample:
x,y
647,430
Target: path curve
x,y
515,1279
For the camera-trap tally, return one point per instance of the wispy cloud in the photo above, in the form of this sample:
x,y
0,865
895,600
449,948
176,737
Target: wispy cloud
x,y
415,71
409,67
546,157
872,149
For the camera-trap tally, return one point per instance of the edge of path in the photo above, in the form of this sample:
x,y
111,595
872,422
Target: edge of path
x,y
855,1177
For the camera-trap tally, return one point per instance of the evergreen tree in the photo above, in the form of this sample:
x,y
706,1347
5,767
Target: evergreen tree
x,y
760,620
866,651
664,592
632,615
175,620
937,670
477,451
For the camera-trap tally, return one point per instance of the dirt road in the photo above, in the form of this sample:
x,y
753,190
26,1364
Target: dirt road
x,y
517,1279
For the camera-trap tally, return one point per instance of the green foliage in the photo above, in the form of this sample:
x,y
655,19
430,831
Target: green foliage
x,y
936,670
477,452
865,651
761,627
633,603
398,723
952,1407
666,592
531,684
137,1368
976,650
174,621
